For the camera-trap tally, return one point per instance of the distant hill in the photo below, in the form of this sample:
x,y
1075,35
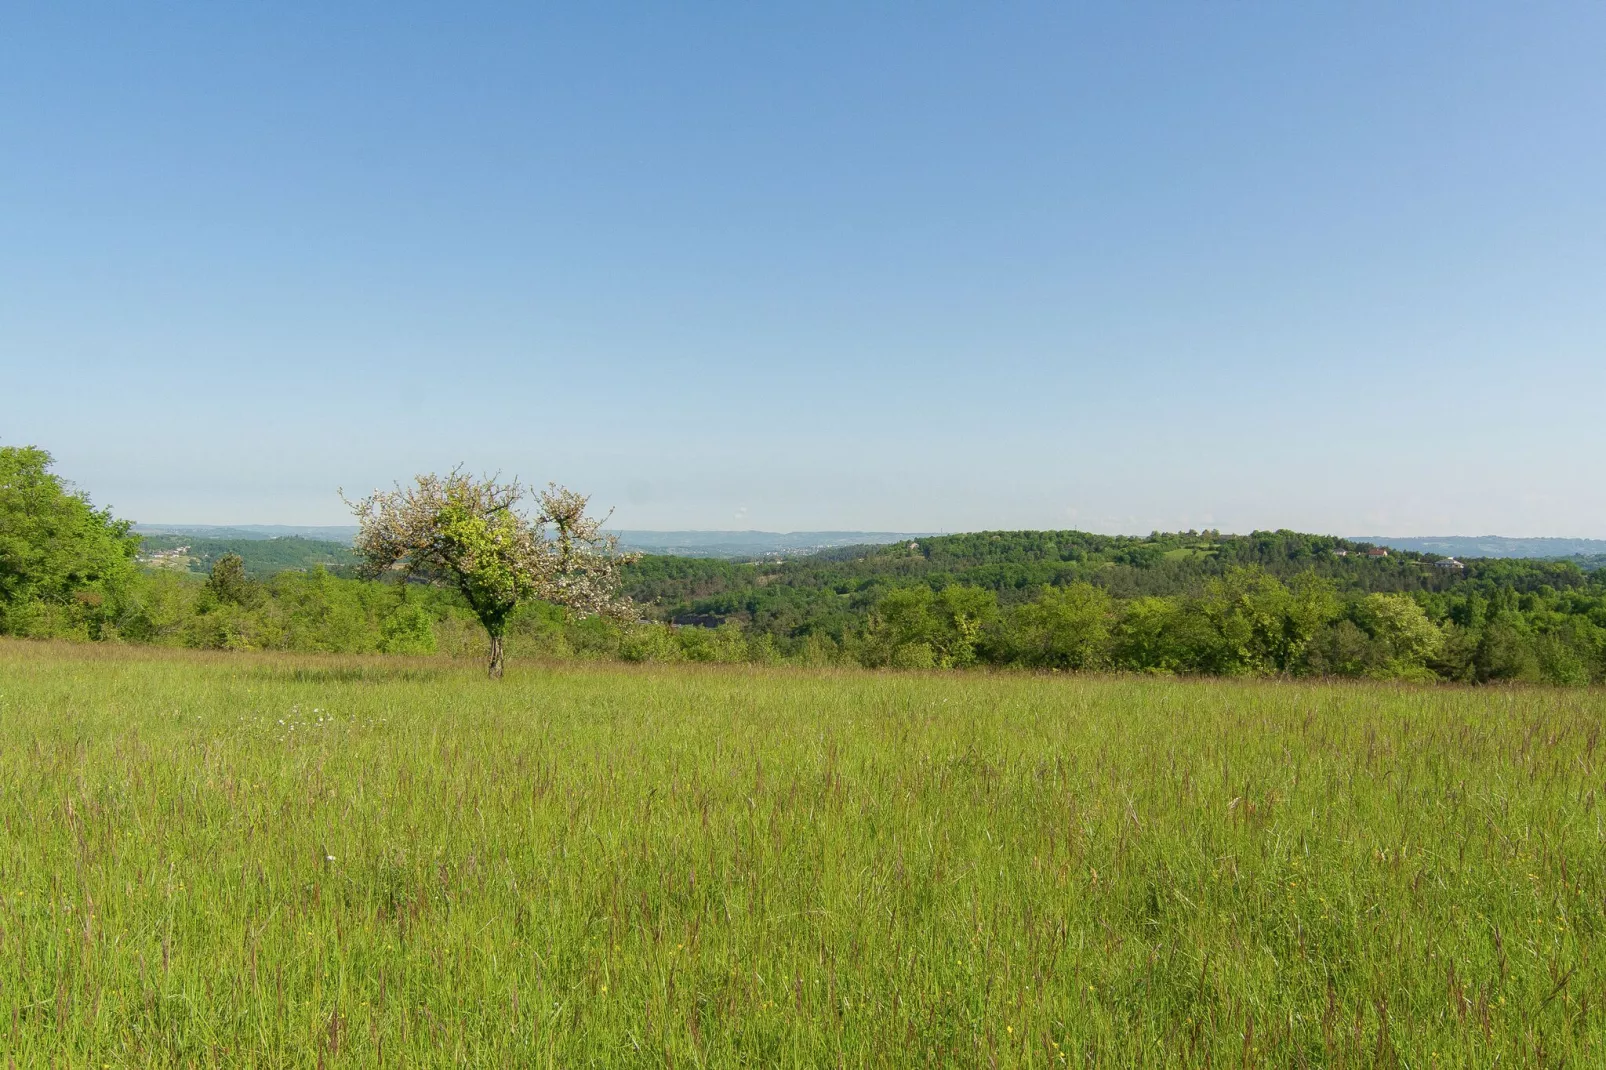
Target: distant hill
x,y
740,544
834,591
260,556
341,533
333,542
1490,546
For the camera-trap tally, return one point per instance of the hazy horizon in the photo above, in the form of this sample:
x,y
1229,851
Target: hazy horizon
x,y
153,527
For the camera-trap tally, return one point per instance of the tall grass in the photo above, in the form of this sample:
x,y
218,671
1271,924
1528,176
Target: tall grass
x,y
299,861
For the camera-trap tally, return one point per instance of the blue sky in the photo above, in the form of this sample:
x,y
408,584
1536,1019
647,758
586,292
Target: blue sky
x,y
1335,267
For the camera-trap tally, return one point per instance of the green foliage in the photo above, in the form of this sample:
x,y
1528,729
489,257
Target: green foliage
x,y
1196,603
229,583
1241,622
491,579
724,645
1192,602
1067,628
261,558
408,629
649,642
918,628
291,611
65,566
1407,636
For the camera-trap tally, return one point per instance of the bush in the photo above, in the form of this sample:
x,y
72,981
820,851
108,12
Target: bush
x,y
650,642
65,567
596,637
913,656
229,583
408,630
1344,649
1397,621
818,650
1506,653
1067,628
724,644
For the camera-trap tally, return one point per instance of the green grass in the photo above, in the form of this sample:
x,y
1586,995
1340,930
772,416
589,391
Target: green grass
x,y
254,860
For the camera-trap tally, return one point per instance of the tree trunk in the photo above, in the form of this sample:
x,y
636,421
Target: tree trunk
x,y
496,657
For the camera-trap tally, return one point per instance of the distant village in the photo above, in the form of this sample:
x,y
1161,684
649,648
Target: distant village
x,y
1446,563
177,557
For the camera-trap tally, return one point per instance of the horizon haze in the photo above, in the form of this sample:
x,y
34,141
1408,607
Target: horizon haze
x,y
753,543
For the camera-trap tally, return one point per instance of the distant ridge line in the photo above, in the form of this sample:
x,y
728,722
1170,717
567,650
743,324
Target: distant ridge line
x,y
1489,545
329,533
689,543
693,542
753,543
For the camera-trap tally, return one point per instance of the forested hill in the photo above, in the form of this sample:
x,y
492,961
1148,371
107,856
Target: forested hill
x,y
260,556
1189,602
1016,565
738,545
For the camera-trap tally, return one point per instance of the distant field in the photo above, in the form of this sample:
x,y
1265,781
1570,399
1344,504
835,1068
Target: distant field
x,y
215,859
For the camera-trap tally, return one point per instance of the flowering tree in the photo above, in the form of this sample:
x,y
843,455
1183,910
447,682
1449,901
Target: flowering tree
x,y
470,534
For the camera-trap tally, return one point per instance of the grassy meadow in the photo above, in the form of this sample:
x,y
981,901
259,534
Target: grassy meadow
x,y
270,860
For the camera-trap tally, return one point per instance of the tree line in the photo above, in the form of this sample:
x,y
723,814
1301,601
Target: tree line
x,y
453,567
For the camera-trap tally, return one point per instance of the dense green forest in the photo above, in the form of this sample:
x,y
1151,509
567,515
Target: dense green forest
x,y
1268,603
802,593
1189,602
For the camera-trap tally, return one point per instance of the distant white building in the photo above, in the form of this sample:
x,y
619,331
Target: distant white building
x,y
1448,563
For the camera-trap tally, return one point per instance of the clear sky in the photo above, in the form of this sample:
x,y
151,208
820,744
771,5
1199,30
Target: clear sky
x,y
1339,267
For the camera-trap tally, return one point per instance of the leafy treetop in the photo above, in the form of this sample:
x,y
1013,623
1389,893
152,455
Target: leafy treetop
x,y
59,555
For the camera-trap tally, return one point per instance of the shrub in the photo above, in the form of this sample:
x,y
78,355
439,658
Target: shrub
x,y
1067,628
408,630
